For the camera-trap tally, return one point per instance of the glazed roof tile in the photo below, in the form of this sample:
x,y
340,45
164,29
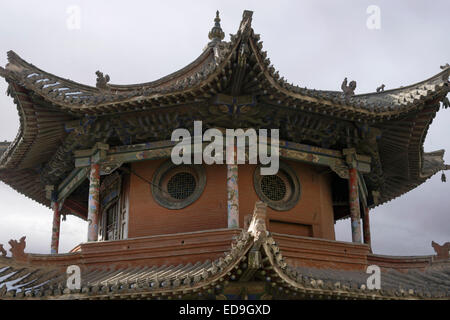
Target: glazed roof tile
x,y
211,64
19,281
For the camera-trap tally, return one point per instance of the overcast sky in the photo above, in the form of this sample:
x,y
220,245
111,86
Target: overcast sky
x,y
312,43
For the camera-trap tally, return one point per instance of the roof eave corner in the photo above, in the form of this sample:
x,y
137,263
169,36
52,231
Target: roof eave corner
x,y
432,163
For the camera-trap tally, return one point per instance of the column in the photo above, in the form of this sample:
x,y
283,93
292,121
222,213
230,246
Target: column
x,y
94,202
366,228
232,188
98,153
355,214
54,247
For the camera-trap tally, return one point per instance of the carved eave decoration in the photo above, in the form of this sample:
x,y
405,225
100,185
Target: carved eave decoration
x,y
254,257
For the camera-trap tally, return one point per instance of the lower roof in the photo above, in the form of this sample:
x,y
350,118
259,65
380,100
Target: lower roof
x,y
254,257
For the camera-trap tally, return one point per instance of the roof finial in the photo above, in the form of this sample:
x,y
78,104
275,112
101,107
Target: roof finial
x,y
216,34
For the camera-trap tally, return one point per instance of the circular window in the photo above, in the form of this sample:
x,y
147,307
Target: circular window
x,y
280,191
181,185
177,186
273,187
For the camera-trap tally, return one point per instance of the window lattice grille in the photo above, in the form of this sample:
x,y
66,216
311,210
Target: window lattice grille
x,y
273,187
181,185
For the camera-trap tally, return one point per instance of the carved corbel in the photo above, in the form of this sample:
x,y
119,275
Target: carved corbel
x,y
109,166
340,168
96,154
99,152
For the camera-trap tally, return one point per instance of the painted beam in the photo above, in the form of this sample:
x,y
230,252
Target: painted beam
x,y
310,157
139,155
142,146
73,181
108,157
125,157
310,149
76,208
158,150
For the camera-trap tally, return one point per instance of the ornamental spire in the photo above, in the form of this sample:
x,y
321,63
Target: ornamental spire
x,y
216,34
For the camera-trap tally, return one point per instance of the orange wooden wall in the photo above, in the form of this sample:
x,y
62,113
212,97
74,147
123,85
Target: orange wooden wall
x,y
314,209
313,212
147,217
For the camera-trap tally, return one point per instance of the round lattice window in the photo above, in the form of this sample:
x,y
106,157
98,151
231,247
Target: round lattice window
x,y
280,191
177,186
273,187
181,185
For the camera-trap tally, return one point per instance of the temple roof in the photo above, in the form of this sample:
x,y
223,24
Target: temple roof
x,y
254,256
42,150
200,80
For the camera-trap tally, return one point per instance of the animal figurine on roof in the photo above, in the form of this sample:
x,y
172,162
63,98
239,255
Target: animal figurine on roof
x,y
349,90
442,252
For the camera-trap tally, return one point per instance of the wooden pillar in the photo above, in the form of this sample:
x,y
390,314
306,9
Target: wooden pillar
x,y
366,228
232,189
54,246
355,214
96,154
94,202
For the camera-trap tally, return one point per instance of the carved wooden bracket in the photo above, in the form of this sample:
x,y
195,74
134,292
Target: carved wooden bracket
x,y
108,167
94,155
340,169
